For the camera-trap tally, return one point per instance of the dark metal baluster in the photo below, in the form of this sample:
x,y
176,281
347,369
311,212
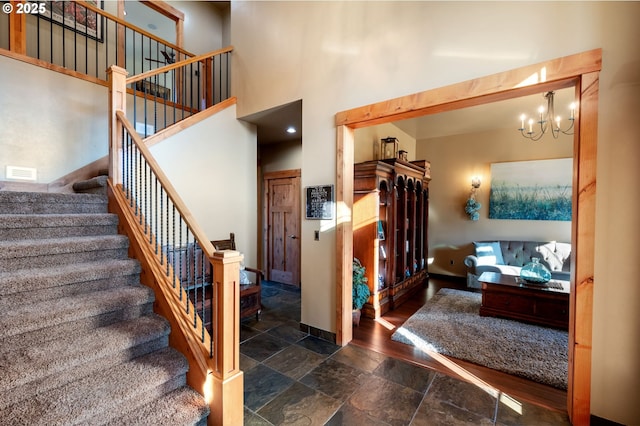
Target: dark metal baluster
x,y
167,228
167,99
228,78
155,103
155,212
201,96
38,35
213,80
64,56
125,43
130,170
51,40
147,190
134,86
139,185
175,88
205,262
75,39
105,25
133,47
145,102
218,79
105,31
185,96
180,241
195,98
190,271
173,241
160,234
124,160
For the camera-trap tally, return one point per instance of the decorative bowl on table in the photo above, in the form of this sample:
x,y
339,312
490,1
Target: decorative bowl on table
x,y
535,272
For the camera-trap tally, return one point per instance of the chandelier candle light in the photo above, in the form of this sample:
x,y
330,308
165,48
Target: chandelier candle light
x,y
546,120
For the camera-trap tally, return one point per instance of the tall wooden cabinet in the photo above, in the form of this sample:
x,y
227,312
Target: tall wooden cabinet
x,y
390,214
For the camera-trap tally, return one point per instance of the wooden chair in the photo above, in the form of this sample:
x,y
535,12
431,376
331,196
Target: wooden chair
x,y
250,297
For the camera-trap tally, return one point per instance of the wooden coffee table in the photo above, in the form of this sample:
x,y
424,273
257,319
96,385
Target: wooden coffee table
x,y
504,296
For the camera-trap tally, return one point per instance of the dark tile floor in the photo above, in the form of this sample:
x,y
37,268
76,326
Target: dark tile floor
x,y
292,378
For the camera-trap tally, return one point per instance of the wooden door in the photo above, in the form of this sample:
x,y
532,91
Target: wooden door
x,y
282,215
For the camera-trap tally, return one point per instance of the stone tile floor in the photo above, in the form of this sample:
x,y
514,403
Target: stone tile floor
x,y
292,378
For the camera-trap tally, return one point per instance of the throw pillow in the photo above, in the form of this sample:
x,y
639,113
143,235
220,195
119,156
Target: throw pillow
x,y
489,253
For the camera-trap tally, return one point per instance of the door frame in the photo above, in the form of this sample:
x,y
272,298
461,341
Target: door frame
x,y
581,71
281,174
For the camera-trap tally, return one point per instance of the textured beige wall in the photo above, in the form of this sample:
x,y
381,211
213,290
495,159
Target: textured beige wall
x,y
367,142
212,165
281,156
341,55
49,121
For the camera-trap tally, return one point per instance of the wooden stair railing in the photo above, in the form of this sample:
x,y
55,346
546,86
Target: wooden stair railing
x,y
162,96
198,83
77,51
158,223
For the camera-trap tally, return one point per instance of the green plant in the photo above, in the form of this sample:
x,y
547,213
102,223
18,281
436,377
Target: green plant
x,y
361,291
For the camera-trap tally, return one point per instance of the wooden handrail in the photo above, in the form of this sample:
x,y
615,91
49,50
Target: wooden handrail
x,y
178,64
198,233
214,358
133,27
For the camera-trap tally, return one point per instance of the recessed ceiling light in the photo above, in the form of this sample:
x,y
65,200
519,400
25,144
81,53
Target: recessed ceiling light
x,y
291,129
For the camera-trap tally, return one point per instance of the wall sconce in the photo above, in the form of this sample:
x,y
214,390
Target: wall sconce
x,y
388,148
472,205
475,182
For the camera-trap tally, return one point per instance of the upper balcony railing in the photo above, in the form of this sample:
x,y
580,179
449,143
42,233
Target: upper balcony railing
x,y
168,83
79,37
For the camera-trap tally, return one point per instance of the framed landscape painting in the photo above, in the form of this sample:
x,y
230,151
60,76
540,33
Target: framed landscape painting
x,y
531,190
76,17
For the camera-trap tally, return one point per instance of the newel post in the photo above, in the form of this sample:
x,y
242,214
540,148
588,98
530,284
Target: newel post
x,y
117,102
227,381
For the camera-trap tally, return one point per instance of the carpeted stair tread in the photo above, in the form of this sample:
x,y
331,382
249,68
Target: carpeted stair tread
x,y
90,184
51,220
51,203
80,343
38,226
29,317
183,406
75,329
102,396
38,279
58,379
68,353
42,247
22,254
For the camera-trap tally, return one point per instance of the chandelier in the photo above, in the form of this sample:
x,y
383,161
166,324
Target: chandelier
x,y
546,121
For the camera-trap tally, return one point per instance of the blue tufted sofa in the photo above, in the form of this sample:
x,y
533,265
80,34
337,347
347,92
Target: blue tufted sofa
x,y
508,257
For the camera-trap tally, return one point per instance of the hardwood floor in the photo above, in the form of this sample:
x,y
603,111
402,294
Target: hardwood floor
x,y
376,335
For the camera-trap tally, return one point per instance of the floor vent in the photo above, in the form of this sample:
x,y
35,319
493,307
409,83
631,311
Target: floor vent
x,y
21,173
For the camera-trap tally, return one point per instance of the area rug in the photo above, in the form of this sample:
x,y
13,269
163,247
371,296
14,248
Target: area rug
x,y
450,324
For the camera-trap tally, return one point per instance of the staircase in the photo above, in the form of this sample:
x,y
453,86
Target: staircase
x,y
80,343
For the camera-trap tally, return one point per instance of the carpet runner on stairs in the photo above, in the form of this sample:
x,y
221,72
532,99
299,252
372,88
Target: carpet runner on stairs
x,y
80,341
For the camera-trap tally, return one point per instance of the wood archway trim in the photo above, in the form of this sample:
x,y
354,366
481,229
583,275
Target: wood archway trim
x,y
580,71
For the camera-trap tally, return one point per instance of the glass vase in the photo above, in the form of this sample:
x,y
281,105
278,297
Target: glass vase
x,y
535,272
